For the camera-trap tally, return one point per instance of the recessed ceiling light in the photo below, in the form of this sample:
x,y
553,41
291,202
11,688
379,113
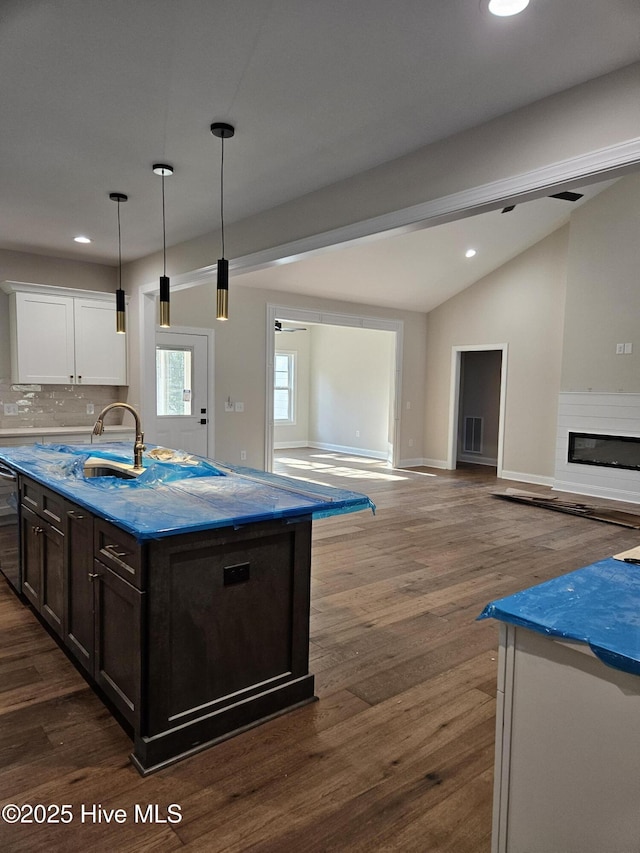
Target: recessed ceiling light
x,y
82,239
504,8
470,253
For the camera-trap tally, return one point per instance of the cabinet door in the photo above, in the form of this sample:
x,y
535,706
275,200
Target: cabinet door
x,y
52,589
101,354
42,339
79,634
31,528
118,626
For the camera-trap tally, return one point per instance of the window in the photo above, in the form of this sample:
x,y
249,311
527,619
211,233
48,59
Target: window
x,y
173,380
283,393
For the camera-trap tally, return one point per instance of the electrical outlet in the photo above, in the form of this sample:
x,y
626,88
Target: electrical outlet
x,y
357,433
11,408
239,407
628,348
410,442
90,409
243,455
228,406
619,349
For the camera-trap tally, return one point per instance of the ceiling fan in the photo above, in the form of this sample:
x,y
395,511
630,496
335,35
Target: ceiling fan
x,y
292,329
567,195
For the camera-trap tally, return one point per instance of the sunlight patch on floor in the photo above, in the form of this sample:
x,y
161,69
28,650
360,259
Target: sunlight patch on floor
x,y
337,470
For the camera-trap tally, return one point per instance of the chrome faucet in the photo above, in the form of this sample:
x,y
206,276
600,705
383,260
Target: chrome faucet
x,y
138,447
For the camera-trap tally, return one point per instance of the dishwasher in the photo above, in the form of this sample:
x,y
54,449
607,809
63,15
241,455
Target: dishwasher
x,y
9,529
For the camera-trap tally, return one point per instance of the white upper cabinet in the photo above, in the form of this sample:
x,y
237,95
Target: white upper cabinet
x,y
60,339
101,353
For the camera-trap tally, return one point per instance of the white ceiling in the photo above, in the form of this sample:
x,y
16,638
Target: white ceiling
x,y
93,92
419,270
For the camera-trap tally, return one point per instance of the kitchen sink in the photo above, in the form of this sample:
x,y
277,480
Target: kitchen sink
x,y
96,467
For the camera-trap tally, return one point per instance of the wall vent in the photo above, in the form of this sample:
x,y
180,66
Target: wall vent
x,y
472,435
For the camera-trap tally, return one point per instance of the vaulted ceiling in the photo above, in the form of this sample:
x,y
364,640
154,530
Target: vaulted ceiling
x,y
92,93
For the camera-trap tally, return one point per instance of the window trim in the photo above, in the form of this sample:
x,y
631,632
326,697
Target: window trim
x,y
291,387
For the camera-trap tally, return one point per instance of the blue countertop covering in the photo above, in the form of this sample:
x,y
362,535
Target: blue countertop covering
x,y
598,605
170,498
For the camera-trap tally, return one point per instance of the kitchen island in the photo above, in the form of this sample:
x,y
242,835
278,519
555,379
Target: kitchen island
x,y
182,593
567,768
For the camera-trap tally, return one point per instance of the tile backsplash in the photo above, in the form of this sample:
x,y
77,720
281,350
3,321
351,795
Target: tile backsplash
x,y
57,405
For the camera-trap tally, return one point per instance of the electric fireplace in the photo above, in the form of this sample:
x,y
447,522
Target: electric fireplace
x,y
608,451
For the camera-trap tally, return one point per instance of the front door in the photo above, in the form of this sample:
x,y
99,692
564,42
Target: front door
x,y
182,406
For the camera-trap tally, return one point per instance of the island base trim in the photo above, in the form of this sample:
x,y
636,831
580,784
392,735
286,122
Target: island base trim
x,y
155,753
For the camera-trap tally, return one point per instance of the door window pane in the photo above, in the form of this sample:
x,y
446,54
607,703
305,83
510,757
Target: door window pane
x,y
174,381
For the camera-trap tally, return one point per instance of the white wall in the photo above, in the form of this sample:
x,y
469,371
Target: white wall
x,y
522,305
603,292
351,388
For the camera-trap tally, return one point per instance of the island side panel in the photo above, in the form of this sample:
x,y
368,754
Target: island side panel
x,y
570,768
228,624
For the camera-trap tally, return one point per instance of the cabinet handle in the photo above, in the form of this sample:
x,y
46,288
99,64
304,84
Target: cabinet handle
x,y
113,549
37,530
75,515
71,378
93,575
79,378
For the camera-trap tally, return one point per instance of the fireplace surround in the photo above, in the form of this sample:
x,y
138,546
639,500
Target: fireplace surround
x,y
605,460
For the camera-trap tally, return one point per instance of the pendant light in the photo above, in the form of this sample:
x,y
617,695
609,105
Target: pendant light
x,y
222,131
164,171
121,326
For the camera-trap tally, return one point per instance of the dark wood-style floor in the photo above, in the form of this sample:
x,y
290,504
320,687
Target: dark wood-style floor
x,y
398,753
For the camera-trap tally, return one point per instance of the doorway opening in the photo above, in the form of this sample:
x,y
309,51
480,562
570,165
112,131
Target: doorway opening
x,y
333,383
477,406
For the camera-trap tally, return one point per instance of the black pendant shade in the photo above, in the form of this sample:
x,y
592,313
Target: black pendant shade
x,y
222,131
121,322
163,170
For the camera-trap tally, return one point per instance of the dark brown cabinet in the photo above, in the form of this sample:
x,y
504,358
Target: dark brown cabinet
x,y
118,638
192,638
43,567
104,611
80,630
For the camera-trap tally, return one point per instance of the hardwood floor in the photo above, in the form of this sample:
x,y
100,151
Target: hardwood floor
x,y
398,753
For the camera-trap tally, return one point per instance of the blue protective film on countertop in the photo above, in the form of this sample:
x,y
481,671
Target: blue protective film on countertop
x,y
598,605
176,497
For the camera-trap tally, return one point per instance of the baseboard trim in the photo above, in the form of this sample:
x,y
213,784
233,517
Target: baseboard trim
x,y
424,463
285,445
351,451
596,491
520,477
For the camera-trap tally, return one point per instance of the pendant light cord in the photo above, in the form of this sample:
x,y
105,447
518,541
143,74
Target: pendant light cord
x,y
119,251
164,234
222,194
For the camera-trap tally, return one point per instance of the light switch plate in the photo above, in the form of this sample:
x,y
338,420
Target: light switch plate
x,y
239,407
628,348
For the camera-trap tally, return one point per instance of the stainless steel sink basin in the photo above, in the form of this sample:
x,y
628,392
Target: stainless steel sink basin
x,y
96,467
